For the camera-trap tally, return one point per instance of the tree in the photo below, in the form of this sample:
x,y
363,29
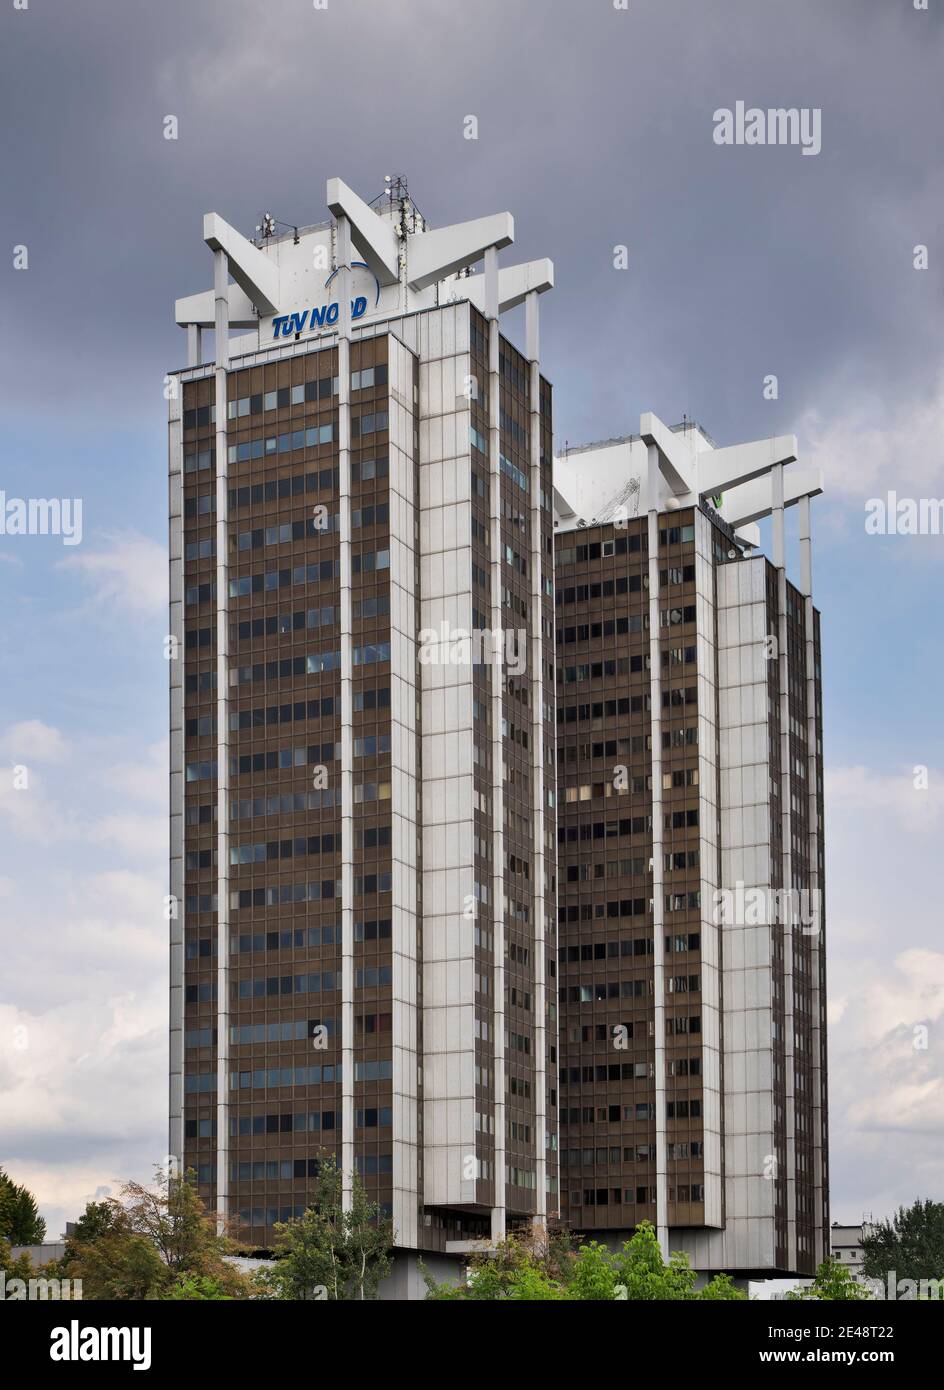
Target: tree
x,y
118,1264
96,1221
20,1221
331,1253
834,1282
173,1218
641,1269
196,1286
157,1240
524,1270
19,1268
518,1270
911,1244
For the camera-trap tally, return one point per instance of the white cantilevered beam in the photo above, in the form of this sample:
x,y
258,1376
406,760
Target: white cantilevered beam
x,y
200,309
754,500
433,256
675,468
515,283
720,469
253,271
373,236
749,534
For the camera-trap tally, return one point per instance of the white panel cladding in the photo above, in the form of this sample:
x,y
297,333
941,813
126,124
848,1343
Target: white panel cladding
x,y
658,895
709,867
175,668
497,789
442,342
539,912
748,1237
404,792
221,349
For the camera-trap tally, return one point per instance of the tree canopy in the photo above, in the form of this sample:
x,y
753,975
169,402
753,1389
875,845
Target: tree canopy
x,y
330,1253
531,1269
911,1245
20,1221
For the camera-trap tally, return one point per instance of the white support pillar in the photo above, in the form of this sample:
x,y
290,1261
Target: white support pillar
x,y
496,673
536,662
815,916
658,903
343,264
175,1148
786,824
195,344
220,281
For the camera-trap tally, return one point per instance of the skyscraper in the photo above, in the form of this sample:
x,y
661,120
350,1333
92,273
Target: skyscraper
x,y
362,726
692,965
428,851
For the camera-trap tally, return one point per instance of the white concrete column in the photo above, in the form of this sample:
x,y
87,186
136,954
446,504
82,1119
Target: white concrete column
x,y
816,922
786,822
175,666
658,903
220,281
195,344
497,887
347,714
536,663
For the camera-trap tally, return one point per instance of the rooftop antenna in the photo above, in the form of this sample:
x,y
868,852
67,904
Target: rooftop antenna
x,y
396,195
267,228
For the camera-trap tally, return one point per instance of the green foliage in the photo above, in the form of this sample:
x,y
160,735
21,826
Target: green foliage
x,y
19,1268
154,1241
118,1265
911,1244
721,1289
96,1221
530,1270
20,1221
330,1253
833,1282
197,1286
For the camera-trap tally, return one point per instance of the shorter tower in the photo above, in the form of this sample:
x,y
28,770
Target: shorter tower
x,y
690,851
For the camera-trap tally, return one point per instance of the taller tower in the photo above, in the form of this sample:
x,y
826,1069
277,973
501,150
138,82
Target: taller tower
x,y
363,828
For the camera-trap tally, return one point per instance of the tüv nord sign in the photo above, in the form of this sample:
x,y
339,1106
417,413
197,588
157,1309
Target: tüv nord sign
x,y
287,325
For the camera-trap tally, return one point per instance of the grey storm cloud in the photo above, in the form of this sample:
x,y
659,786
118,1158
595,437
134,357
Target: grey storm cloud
x,y
595,130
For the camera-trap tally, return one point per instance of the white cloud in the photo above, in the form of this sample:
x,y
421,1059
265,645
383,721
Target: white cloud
x,y
874,446
862,789
143,780
88,804
892,1033
129,574
33,741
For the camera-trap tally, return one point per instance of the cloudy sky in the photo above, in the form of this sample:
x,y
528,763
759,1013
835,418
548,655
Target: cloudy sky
x,y
595,129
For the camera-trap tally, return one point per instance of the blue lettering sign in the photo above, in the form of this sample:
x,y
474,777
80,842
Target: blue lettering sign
x,y
287,325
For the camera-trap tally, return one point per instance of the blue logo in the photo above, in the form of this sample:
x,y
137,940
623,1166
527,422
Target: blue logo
x,y
287,325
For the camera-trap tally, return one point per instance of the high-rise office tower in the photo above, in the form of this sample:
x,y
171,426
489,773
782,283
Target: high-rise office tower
x,y
411,825
363,835
690,855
